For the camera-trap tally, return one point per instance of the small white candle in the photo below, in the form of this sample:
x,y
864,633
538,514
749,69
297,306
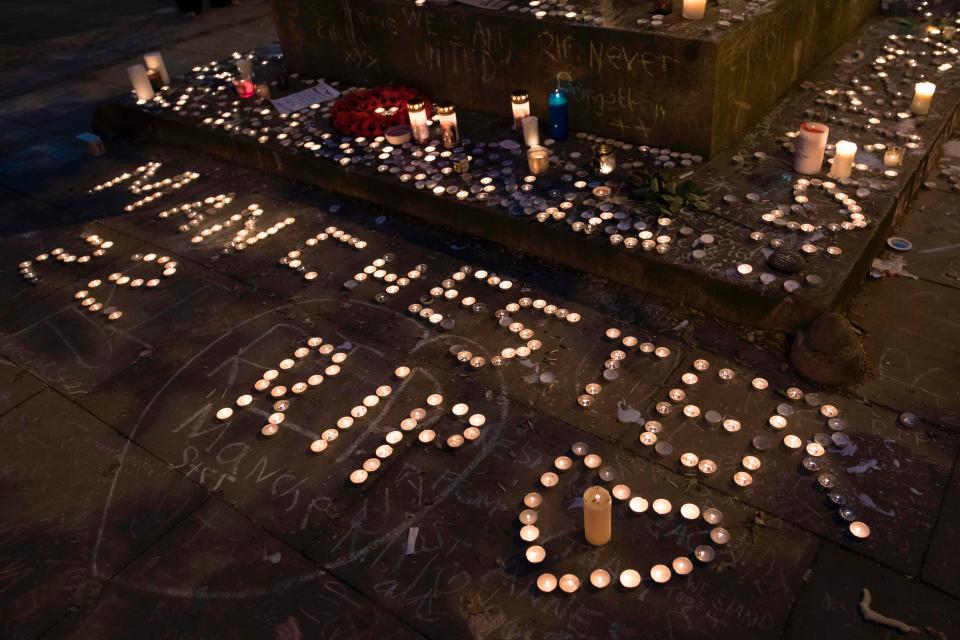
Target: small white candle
x,y
809,146
922,96
141,83
694,9
154,62
843,159
531,131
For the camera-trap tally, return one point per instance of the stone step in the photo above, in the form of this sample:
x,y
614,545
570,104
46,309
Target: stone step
x,y
691,84
718,260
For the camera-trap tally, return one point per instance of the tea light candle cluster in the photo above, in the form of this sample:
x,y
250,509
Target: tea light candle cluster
x,y
781,419
197,211
611,367
867,104
143,172
598,525
167,267
28,268
448,291
294,258
377,270
161,188
281,395
418,418
246,235
491,176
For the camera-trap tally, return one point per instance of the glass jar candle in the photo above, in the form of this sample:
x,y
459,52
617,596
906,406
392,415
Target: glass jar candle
x,y
520,105
893,156
605,161
450,132
538,158
559,123
419,121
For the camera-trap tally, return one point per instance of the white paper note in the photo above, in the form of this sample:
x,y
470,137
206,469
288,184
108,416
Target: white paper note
x,y
320,92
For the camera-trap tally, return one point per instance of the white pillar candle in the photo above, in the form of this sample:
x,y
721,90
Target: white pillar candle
x,y
694,9
154,62
922,96
597,509
531,131
141,83
809,146
843,159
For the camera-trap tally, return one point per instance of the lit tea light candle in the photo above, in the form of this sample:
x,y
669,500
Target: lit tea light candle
x,y
638,504
600,578
528,516
662,506
690,511
546,582
742,479
630,578
529,533
536,554
719,535
707,467
843,159
660,573
621,492
562,463
533,500
269,430
549,479
592,461
705,553
689,461
791,441
922,97
682,566
597,510
225,413
750,463
569,583
694,9
859,529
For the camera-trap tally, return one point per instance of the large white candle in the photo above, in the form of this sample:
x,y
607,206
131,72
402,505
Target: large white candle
x,y
419,123
154,62
597,509
694,9
531,131
520,107
843,159
809,146
922,97
141,83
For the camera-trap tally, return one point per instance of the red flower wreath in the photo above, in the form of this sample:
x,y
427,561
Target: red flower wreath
x,y
355,114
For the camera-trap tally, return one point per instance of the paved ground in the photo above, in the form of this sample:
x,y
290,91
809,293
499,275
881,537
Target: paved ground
x,y
129,510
